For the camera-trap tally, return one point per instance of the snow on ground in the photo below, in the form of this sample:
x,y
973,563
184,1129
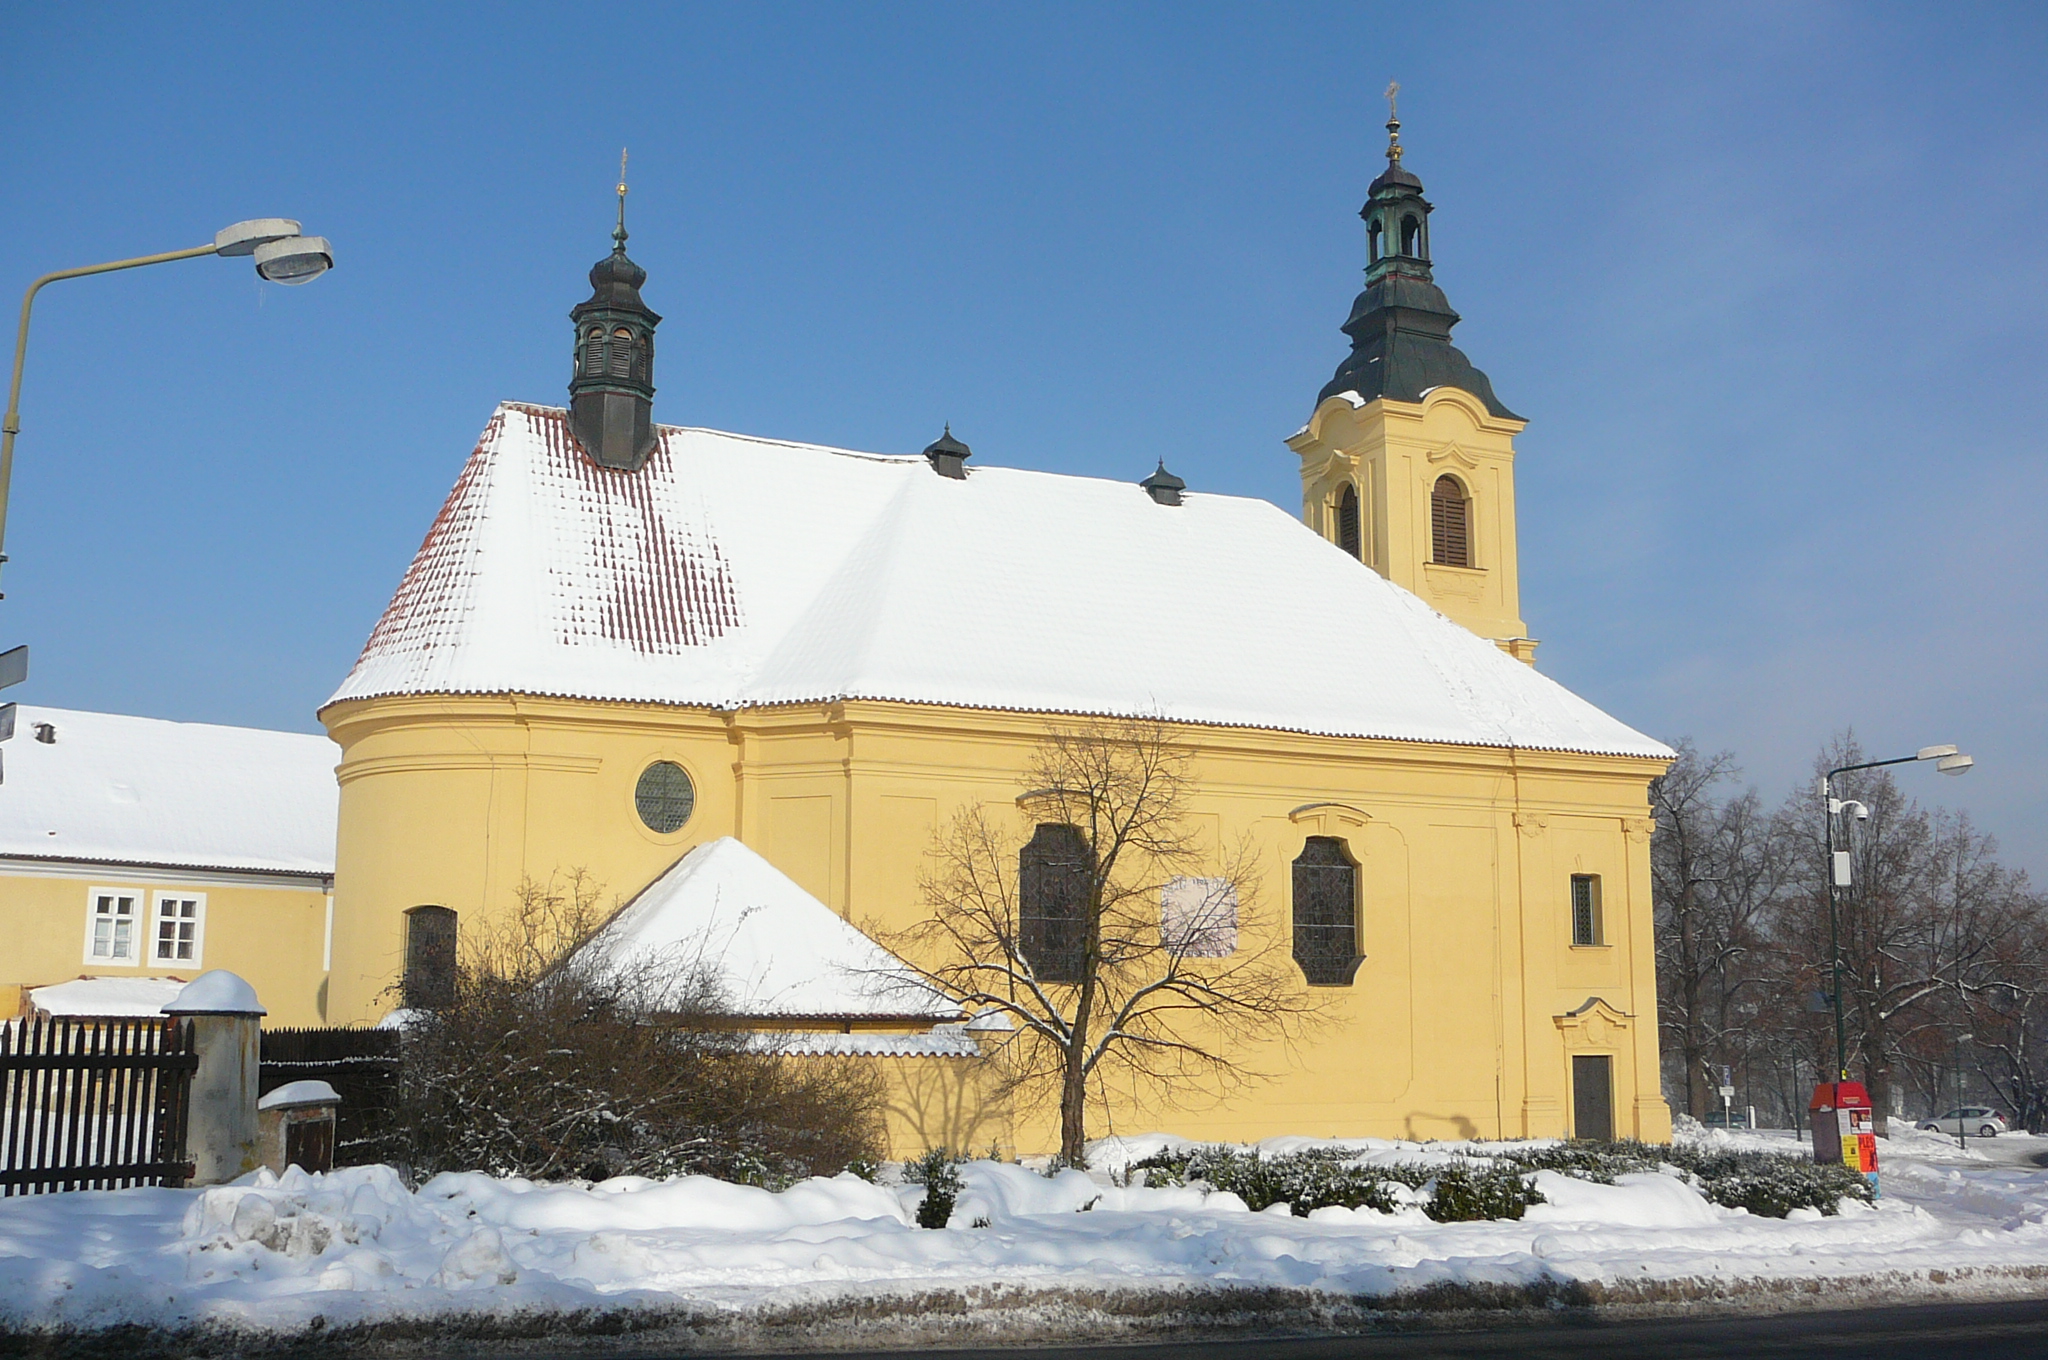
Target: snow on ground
x,y
357,1245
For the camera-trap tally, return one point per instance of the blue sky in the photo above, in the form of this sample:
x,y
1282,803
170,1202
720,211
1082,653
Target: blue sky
x,y
1767,280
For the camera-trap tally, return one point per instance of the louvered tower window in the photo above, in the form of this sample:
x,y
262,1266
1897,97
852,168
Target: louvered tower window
x,y
622,353
1347,522
1053,874
1450,529
1326,913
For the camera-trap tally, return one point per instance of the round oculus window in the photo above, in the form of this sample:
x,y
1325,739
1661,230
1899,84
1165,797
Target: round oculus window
x,y
664,796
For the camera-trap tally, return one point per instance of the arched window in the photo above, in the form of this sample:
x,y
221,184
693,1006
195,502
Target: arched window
x,y
429,958
1326,913
1347,521
1372,241
621,365
1450,526
1053,874
1411,236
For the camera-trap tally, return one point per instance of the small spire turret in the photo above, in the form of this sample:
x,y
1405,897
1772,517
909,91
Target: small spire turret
x,y
1400,326
611,392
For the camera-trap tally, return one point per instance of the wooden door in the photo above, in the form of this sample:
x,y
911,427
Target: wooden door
x,y
1593,1096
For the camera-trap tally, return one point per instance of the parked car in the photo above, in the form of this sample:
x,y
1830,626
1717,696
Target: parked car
x,y
1977,1121
1725,1119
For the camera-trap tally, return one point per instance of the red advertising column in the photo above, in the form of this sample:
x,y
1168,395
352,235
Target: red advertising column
x,y
1844,1128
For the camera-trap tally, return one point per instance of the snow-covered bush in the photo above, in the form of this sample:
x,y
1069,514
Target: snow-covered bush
x,y
1768,1184
939,1173
541,1068
1319,1178
1469,1192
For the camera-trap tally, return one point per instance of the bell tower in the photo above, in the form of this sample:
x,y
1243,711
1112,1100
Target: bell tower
x,y
1408,461
611,392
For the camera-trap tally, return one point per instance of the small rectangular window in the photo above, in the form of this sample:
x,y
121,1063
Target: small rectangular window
x,y
1586,909
111,926
180,927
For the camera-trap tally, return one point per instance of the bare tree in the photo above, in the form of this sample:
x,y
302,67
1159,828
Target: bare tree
x,y
1128,955
1717,871
1926,909
2008,1017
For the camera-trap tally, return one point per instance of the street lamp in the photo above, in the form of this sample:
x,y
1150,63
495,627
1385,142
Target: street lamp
x,y
281,254
1962,1120
1947,760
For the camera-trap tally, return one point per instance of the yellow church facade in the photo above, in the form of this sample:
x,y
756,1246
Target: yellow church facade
x,y
622,641
1461,1022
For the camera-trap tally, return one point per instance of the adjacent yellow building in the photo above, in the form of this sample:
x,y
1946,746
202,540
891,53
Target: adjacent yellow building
x,y
137,853
622,641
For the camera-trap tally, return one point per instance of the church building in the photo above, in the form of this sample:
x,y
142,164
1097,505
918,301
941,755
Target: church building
x,y
622,642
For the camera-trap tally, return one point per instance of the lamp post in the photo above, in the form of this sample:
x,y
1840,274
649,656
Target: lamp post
x,y
281,254
1962,1120
1948,761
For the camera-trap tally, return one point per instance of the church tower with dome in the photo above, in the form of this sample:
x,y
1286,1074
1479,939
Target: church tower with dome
x,y
1408,461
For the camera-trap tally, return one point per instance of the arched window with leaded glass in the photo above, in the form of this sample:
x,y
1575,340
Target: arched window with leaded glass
x,y
1054,874
429,982
1326,913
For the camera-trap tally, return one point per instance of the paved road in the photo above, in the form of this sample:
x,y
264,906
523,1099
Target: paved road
x,y
1984,1331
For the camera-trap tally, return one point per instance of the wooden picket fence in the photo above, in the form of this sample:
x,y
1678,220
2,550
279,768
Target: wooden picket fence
x,y
94,1104
363,1066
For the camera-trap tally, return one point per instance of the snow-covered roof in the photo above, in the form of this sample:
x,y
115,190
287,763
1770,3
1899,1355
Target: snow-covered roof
x,y
189,795
941,1041
106,996
733,572
780,951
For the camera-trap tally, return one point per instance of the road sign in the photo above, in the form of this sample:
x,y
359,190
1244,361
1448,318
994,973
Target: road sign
x,y
1727,1093
13,666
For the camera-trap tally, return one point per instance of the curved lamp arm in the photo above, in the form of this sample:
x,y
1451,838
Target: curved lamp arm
x,y
11,426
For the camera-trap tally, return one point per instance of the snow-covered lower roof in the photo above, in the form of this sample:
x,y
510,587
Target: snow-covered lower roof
x,y
106,996
733,572
779,950
189,795
941,1041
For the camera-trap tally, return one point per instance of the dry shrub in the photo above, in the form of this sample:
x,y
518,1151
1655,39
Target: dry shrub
x,y
552,1064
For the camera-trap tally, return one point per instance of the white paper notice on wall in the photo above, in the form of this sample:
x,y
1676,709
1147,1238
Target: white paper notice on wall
x,y
1198,917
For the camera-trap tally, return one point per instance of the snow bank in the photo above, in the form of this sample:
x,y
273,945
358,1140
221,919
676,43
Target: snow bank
x,y
358,1245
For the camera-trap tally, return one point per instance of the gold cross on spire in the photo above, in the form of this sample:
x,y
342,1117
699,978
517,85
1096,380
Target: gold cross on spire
x,y
1393,122
620,235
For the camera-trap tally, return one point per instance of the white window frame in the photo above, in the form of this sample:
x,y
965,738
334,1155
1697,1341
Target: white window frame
x,y
157,917
137,935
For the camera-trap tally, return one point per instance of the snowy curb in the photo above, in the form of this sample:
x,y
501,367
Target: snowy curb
x,y
1022,1316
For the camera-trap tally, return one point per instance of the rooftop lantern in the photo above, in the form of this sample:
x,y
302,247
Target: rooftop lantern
x,y
1400,326
611,394
1163,487
947,454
